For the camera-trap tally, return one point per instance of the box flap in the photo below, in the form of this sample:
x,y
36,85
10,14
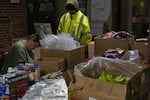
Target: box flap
x,y
119,90
92,95
72,57
51,59
79,83
100,90
95,85
50,64
102,45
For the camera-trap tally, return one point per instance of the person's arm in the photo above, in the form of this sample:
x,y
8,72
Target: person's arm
x,y
61,23
59,30
15,54
26,56
86,35
21,55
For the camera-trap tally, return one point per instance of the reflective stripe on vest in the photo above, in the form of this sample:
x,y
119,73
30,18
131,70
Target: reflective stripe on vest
x,y
64,19
81,20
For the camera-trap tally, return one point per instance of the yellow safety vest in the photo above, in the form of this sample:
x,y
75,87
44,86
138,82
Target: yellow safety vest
x,y
77,25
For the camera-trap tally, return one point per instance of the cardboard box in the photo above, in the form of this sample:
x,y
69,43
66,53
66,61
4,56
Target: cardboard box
x,y
58,74
14,85
91,46
36,52
136,89
33,69
139,91
86,88
102,45
50,64
72,57
144,50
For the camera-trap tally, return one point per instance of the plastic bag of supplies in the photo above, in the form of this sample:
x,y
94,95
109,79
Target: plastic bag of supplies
x,y
48,89
132,55
114,66
60,42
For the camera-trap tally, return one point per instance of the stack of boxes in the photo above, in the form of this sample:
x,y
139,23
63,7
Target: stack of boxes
x,y
52,60
88,88
13,85
33,69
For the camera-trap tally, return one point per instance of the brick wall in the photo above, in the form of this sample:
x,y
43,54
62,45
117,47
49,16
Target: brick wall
x,y
12,22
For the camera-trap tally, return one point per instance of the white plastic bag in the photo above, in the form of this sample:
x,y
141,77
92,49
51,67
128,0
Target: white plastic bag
x,y
62,41
132,55
49,41
66,42
114,66
49,89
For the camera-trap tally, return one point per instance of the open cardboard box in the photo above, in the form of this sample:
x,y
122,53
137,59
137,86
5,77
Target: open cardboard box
x,y
85,88
101,45
143,47
136,89
72,57
50,64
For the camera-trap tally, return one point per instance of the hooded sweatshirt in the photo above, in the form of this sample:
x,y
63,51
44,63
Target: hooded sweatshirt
x,y
73,2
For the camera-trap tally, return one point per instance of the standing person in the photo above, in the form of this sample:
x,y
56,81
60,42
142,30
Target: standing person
x,y
75,23
21,51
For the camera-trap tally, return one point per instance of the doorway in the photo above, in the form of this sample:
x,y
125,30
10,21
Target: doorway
x,y
140,18
40,11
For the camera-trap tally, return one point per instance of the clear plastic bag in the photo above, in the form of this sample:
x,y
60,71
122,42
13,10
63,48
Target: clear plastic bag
x,y
132,55
48,89
49,41
114,66
66,42
62,41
